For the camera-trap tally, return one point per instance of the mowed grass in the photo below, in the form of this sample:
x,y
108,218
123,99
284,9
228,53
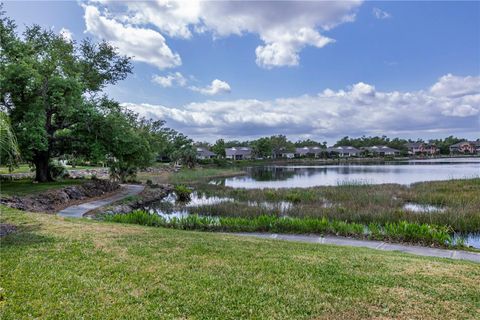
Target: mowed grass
x,y
27,186
69,269
23,168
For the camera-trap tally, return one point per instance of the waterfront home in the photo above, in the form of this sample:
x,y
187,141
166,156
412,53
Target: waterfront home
x,y
238,153
313,151
282,153
381,151
344,151
416,148
203,153
466,147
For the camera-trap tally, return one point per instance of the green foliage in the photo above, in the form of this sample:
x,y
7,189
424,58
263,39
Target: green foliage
x,y
57,170
364,141
397,231
48,87
219,148
9,151
183,193
444,144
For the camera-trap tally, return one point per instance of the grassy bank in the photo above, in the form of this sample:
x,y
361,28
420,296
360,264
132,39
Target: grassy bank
x,y
397,231
27,186
199,175
56,268
458,200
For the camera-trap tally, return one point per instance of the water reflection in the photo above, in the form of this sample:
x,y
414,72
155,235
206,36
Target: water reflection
x,y
329,175
415,207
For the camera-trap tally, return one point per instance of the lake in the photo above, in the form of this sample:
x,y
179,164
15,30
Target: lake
x,y
402,172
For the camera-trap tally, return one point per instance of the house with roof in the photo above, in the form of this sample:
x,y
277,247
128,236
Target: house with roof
x,y
282,152
204,153
381,151
416,148
466,147
238,153
312,151
344,151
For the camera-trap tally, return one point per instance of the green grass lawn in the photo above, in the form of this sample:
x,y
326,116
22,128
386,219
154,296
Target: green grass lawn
x,y
55,268
26,186
23,168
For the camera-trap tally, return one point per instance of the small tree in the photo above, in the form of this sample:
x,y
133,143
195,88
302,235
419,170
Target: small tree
x,y
219,148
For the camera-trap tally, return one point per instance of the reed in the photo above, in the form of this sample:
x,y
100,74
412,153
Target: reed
x,y
402,231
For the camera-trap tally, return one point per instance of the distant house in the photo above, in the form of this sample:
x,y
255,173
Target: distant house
x,y
238,153
415,148
203,153
471,147
313,151
382,151
344,151
282,153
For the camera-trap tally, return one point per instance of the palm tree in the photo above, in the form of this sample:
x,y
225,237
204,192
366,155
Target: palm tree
x,y
9,151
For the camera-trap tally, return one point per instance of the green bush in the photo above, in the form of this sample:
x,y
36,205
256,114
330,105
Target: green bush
x,y
182,192
57,170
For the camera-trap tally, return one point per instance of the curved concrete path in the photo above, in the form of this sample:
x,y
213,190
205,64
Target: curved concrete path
x,y
79,210
378,245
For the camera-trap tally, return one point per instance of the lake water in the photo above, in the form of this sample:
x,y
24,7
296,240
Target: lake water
x,y
406,172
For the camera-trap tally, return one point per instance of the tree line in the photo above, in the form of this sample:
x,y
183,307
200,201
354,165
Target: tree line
x,y
266,146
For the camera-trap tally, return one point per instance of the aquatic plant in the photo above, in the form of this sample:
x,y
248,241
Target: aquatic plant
x,y
182,192
396,231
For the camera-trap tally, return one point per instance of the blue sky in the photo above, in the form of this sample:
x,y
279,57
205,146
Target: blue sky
x,y
391,67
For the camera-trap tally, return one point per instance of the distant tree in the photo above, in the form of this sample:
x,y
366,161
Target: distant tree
x,y
185,155
47,85
219,148
444,144
309,143
262,147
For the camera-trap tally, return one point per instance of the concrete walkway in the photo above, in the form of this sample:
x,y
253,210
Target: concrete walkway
x,y
78,211
378,245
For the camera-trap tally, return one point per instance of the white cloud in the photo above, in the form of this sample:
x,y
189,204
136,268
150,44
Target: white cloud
x,y
66,34
451,86
285,27
216,87
170,80
361,109
380,14
143,44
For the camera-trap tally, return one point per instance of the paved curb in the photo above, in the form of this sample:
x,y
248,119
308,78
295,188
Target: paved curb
x,y
377,245
78,211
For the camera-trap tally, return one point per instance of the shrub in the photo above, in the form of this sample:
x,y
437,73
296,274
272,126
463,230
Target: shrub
x,y
182,192
57,170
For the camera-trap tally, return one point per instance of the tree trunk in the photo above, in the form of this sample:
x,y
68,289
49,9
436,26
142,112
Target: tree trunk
x,y
42,170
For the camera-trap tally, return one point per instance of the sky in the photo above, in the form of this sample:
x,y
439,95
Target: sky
x,y
306,69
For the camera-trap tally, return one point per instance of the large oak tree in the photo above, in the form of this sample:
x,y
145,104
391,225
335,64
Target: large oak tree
x,y
50,86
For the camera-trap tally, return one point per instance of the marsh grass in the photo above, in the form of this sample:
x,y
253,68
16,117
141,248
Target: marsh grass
x,y
402,231
361,203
